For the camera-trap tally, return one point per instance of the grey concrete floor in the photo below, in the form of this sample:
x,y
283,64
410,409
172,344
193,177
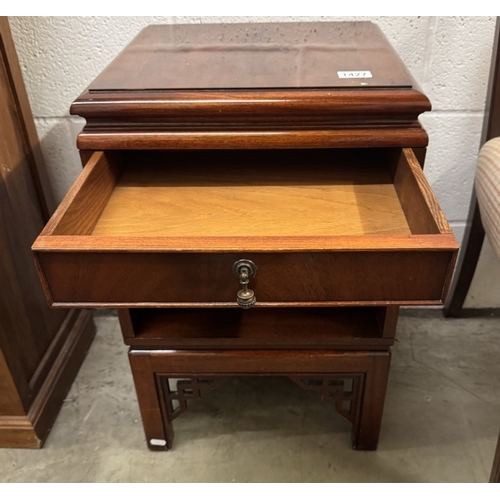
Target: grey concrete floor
x,y
441,420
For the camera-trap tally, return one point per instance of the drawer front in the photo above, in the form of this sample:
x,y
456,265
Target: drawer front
x,y
158,279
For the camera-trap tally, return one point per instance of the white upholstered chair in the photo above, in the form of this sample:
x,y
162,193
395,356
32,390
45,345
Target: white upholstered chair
x,y
487,187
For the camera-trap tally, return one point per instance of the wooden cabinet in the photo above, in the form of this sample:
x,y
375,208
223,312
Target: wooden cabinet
x,y
268,166
40,349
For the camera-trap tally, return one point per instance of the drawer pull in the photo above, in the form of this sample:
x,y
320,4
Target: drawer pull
x,y
244,270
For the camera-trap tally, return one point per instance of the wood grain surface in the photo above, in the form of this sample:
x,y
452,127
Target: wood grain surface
x,y
40,349
171,230
275,85
130,279
254,55
266,154
291,328
297,193
138,137
149,365
88,195
298,196
419,203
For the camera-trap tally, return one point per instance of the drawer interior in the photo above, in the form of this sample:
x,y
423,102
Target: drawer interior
x,y
289,193
314,193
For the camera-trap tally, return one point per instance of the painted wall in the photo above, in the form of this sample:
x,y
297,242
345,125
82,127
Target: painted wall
x,y
449,57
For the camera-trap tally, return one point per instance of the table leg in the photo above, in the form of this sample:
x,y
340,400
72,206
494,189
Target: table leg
x,y
159,432
355,383
365,432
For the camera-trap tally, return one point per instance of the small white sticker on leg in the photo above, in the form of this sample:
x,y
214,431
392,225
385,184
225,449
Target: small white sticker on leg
x,y
157,442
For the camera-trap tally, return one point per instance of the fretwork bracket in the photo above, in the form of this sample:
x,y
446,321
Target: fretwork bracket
x,y
344,391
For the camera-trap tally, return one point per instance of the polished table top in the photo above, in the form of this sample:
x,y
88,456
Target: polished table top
x,y
254,85
256,55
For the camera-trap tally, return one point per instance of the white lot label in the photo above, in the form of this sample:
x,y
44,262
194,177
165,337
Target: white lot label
x,y
354,74
158,442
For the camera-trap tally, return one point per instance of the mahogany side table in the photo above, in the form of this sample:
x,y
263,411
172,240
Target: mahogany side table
x,y
253,203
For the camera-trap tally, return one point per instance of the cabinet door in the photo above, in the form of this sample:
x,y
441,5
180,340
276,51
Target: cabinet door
x,y
31,334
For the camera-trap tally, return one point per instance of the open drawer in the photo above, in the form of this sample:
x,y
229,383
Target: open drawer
x,y
324,227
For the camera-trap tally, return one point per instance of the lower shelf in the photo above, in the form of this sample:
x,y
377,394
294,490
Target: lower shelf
x,y
291,328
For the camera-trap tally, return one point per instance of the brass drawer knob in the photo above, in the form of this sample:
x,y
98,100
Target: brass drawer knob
x,y
244,270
